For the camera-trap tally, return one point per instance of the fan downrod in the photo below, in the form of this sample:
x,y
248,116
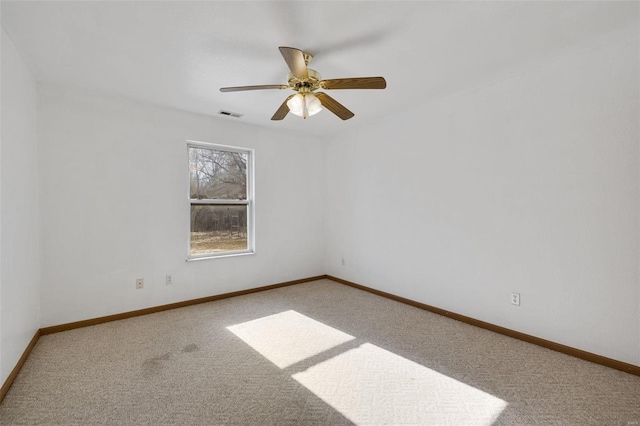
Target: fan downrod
x,y
307,57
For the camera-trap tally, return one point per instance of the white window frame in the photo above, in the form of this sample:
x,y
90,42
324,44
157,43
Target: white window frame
x,y
249,202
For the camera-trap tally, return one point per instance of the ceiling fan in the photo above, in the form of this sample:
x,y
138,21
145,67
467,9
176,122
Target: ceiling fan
x,y
305,81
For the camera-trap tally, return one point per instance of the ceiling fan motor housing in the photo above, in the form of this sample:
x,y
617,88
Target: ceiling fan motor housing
x,y
308,84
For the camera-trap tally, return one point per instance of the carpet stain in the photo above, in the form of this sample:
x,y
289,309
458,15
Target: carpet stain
x,y
164,357
190,348
154,366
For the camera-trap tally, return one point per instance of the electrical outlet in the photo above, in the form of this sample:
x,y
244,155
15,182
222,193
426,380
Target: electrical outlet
x,y
139,283
168,279
343,263
515,299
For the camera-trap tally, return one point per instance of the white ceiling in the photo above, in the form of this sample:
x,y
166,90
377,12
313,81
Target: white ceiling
x,y
179,53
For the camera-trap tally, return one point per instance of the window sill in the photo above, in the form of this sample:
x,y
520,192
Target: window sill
x,y
221,255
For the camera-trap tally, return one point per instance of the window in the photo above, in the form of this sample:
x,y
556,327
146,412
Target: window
x,y
220,200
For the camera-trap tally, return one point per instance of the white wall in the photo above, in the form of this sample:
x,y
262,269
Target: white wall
x,y
19,246
530,185
114,206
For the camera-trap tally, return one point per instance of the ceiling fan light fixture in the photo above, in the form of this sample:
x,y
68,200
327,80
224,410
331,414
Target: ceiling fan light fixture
x,y
304,105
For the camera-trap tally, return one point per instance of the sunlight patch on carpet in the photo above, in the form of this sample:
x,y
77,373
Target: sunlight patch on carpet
x,y
289,337
370,385
367,384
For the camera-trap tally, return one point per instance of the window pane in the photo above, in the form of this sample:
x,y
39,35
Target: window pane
x,y
217,229
217,174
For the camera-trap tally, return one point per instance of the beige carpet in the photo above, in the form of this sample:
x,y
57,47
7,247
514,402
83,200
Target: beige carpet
x,y
315,353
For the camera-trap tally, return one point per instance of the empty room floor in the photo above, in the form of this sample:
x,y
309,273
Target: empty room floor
x,y
313,353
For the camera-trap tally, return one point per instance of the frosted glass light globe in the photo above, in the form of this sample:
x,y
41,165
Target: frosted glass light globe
x,y
304,105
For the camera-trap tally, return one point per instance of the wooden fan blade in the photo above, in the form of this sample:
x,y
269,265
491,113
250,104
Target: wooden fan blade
x,y
264,86
283,110
334,106
354,83
295,60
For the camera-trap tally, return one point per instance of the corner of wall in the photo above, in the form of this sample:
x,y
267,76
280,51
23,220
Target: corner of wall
x,y
19,209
